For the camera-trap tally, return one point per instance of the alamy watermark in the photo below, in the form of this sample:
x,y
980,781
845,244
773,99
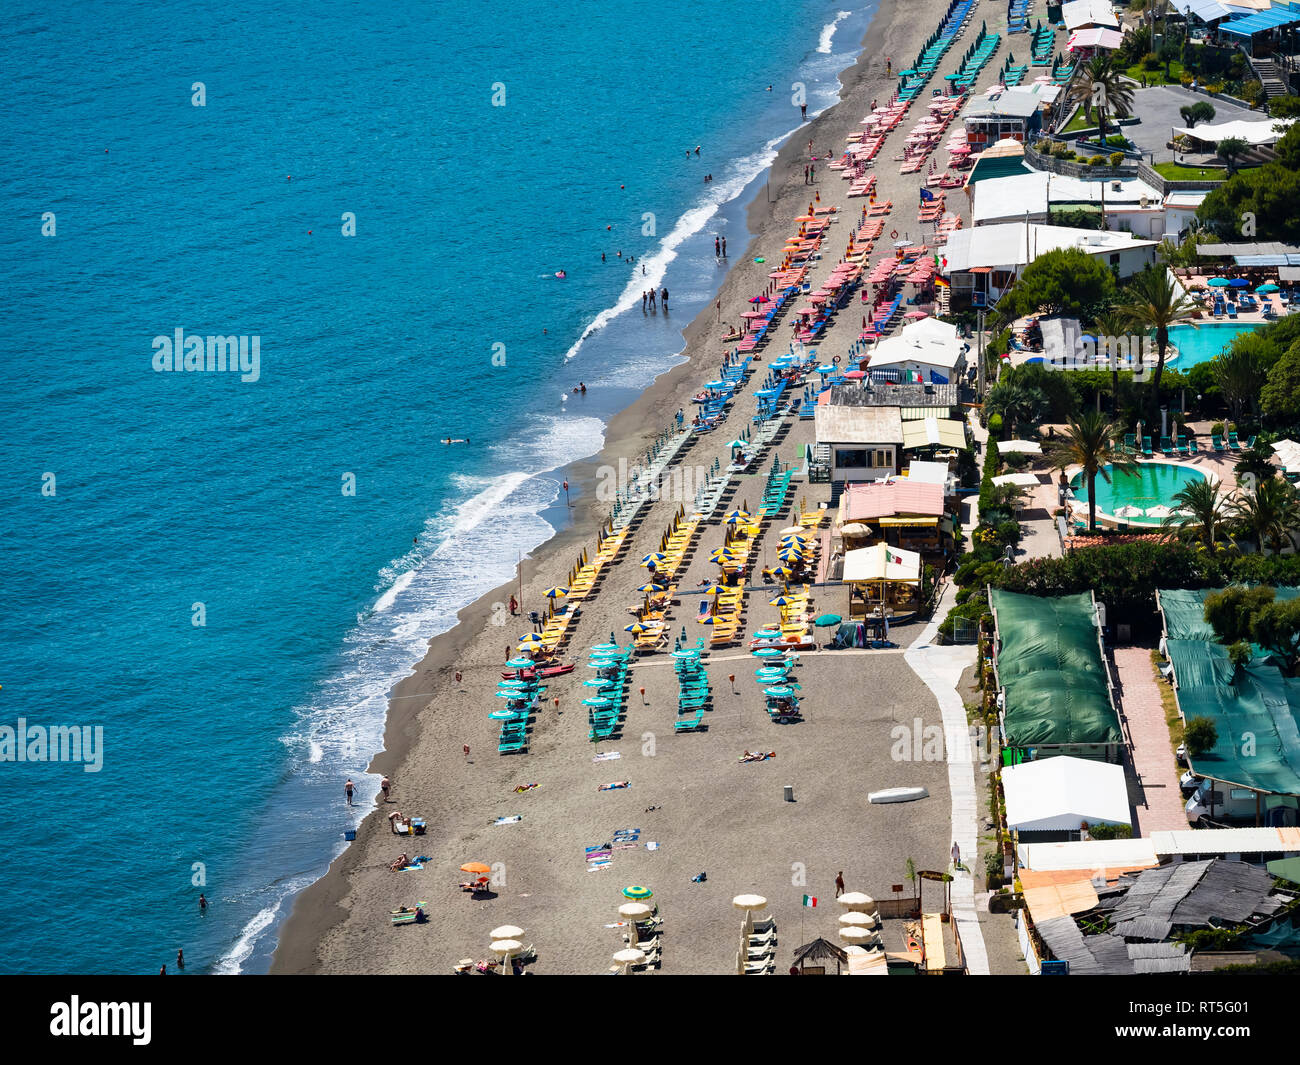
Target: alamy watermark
x,y
212,354
56,743
1131,352
676,484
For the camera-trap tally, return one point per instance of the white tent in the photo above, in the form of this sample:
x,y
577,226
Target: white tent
x,y
1253,133
1288,453
1020,480
1024,447
928,472
1062,793
1088,13
1095,37
879,562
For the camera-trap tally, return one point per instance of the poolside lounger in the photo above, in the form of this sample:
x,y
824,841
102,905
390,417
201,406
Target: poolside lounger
x,y
1233,443
1166,448
1146,447
1216,442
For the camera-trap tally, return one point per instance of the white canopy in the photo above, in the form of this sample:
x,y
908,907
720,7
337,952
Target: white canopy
x,y
1288,453
1020,480
879,562
1028,447
1253,133
1062,793
1088,13
1095,37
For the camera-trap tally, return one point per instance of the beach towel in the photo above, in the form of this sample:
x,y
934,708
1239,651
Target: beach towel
x,y
597,866
614,785
625,846
652,846
508,820
608,756
627,832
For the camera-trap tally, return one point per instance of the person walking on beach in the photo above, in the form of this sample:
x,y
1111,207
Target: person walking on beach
x,y
514,606
203,905
664,297
803,110
386,786
812,173
724,247
347,790
805,173
839,883
466,749
644,300
956,855
717,248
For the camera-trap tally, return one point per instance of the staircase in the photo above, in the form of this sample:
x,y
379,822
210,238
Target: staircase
x,y
1270,77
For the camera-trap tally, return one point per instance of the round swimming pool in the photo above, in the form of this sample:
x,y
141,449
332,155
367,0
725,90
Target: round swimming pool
x,y
1151,484
1198,344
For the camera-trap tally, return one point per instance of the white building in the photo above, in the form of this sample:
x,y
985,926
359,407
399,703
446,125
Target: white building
x,y
1130,205
865,441
981,263
927,351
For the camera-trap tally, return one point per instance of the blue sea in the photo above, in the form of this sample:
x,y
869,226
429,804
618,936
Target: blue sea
x,y
222,573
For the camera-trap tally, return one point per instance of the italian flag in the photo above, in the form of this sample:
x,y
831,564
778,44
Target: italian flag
x,y
914,377
810,901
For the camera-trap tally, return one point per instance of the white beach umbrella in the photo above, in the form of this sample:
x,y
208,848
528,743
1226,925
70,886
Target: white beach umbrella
x,y
855,918
506,931
628,957
853,934
1127,511
856,900
635,910
748,903
1158,511
506,949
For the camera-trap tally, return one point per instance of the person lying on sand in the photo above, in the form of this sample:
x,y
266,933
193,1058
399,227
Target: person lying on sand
x,y
401,862
757,756
525,787
613,785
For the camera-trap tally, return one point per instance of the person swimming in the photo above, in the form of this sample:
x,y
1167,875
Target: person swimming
x,y
452,440
561,274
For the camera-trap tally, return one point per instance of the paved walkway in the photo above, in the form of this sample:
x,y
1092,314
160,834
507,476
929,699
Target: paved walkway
x,y
941,669
1158,803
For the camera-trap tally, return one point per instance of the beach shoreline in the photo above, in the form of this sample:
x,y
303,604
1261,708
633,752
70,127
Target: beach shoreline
x,y
475,642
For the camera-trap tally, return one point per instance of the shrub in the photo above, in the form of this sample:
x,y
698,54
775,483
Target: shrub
x,y
1097,160
1217,429
1110,831
995,426
1253,93
1116,158
1200,736
1117,140
1151,61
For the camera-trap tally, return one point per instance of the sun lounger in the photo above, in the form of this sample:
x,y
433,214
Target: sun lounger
x,y
1216,442
1233,443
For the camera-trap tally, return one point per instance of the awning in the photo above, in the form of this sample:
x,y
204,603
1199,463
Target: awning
x,y
1020,480
1249,25
980,270
879,562
930,431
1095,37
906,523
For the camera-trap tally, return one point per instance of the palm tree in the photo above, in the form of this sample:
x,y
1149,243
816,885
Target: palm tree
x,y
1093,442
1156,303
1208,513
1112,324
1098,85
1229,150
1019,405
1271,513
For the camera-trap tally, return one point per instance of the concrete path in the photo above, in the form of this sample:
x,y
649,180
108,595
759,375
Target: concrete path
x,y
1159,803
940,668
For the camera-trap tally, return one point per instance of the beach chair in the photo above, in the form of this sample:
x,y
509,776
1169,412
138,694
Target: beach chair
x,y
1166,448
1146,447
1182,448
1192,446
1129,442
1232,310
1233,443
1250,443
1216,442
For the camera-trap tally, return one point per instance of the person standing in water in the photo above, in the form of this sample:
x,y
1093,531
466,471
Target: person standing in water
x,y
724,247
652,299
347,790
663,296
203,905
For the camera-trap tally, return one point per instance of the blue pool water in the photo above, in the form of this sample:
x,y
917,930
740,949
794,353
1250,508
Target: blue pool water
x,y
1150,484
1198,344
138,504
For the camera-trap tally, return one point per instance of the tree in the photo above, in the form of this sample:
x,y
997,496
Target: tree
x,y
1240,372
1284,107
1207,515
1269,195
1200,736
1201,111
1098,86
1230,612
1270,513
1018,405
1062,281
1155,304
1279,399
1113,325
1230,149
1094,443
1276,628
1254,465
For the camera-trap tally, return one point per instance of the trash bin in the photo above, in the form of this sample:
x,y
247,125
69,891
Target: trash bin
x,y
789,793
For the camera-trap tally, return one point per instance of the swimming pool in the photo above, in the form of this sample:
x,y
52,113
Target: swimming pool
x,y
1151,484
1198,344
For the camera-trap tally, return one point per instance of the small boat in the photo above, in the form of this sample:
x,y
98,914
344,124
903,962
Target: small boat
x,y
897,795
532,674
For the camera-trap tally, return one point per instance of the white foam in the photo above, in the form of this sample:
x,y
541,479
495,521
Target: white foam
x,y
398,586
828,32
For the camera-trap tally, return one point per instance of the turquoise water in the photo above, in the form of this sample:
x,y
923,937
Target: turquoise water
x,y
1151,484
220,573
1198,344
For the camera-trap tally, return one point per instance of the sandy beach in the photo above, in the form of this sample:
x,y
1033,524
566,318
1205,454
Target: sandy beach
x,y
711,814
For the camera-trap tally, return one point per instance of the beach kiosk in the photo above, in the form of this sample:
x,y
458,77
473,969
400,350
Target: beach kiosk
x,y
882,580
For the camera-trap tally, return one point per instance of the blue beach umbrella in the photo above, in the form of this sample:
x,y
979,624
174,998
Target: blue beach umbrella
x,y
1239,282
1268,287
521,663
780,692
768,652
502,715
598,702
1218,282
